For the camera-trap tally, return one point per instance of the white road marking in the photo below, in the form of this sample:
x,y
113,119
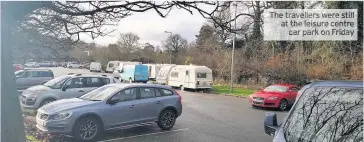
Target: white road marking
x,y
185,129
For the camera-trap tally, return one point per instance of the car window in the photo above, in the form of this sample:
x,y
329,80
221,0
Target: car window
x,y
93,82
295,89
165,92
276,88
126,95
332,114
146,93
104,81
158,93
79,82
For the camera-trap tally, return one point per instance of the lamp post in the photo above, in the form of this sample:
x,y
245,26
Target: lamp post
x,y
169,51
232,53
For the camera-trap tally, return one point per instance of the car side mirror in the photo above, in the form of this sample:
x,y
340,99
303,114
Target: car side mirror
x,y
270,123
64,88
113,100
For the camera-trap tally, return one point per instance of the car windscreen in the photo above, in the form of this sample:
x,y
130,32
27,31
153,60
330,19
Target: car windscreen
x,y
330,114
100,94
57,83
276,88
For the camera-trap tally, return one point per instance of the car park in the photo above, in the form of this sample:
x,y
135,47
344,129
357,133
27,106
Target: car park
x,y
279,96
74,65
30,77
110,107
31,64
324,111
67,86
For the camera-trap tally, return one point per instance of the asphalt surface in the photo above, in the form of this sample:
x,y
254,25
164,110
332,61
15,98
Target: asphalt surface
x,y
205,118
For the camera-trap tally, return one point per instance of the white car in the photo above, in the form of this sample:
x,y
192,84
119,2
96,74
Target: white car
x,y
74,65
95,66
63,87
31,64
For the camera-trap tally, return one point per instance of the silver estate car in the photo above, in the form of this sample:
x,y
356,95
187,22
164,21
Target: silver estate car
x,y
31,77
113,106
63,87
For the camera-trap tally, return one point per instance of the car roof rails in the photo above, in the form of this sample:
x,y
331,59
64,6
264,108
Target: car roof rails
x,y
71,73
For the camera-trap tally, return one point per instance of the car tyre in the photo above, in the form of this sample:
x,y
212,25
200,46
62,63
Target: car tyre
x,y
87,129
283,105
46,101
167,119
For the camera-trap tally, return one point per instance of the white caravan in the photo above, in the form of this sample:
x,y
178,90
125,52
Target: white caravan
x,y
190,76
111,66
120,67
162,76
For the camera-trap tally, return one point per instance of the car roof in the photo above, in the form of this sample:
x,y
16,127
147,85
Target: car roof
x,y
87,75
342,83
127,85
288,85
38,70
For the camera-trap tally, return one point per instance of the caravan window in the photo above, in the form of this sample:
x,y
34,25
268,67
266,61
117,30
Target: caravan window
x,y
174,74
201,75
111,65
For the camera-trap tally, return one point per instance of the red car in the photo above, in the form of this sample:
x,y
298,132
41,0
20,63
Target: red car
x,y
275,96
17,67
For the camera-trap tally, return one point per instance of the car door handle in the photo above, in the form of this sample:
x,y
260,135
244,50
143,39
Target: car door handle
x,y
80,91
132,106
159,102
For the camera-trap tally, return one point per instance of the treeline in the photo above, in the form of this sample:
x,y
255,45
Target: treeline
x,y
255,60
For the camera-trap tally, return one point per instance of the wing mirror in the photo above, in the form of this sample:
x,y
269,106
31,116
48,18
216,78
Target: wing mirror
x,y
114,100
64,88
270,123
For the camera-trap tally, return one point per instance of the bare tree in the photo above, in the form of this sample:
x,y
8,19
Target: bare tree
x,y
175,44
128,42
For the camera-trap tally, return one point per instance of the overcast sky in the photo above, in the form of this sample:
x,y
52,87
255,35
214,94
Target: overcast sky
x,y
150,27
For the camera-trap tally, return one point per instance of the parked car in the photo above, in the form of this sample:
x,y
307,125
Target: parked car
x,y
31,64
279,96
67,86
18,67
325,111
134,73
112,106
64,64
45,64
30,77
95,66
74,65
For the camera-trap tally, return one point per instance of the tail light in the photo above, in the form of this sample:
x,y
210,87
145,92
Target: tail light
x,y
179,97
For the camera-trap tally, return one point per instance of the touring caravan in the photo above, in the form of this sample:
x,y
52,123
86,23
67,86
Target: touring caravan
x,y
190,76
153,70
162,76
111,66
134,73
120,67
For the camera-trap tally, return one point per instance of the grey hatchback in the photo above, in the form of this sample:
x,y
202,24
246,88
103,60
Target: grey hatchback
x,y
326,111
112,106
30,77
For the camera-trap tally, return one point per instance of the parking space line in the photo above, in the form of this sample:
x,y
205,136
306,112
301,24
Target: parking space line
x,y
185,129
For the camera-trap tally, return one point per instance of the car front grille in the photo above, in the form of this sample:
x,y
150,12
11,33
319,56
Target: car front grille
x,y
42,116
258,98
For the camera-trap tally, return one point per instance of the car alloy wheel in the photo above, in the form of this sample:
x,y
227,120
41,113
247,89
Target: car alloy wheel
x,y
283,104
167,119
88,129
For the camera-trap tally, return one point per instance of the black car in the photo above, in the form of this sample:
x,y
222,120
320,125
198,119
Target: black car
x,y
325,111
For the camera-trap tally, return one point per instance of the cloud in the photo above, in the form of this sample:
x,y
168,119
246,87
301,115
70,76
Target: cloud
x,y
150,27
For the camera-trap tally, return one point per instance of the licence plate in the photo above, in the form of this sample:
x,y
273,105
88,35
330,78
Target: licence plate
x,y
258,101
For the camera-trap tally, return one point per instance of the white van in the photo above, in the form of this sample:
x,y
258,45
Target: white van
x,y
95,66
162,76
190,76
120,67
111,66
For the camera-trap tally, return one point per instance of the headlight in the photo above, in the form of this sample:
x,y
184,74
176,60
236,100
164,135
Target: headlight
x,y
31,99
60,116
272,98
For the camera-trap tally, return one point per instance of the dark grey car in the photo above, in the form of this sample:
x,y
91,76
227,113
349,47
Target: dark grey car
x,y
326,111
31,77
112,106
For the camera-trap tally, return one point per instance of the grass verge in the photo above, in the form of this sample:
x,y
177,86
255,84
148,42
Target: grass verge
x,y
30,138
225,90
